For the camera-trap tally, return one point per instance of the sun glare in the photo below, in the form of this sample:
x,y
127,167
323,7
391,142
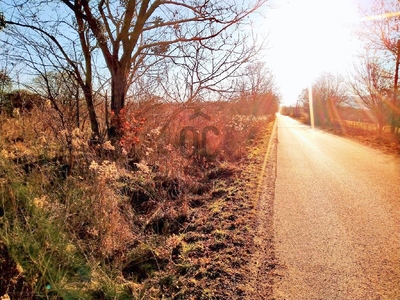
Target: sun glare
x,y
379,17
309,37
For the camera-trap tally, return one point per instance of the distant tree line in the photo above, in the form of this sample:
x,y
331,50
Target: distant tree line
x,y
373,83
328,93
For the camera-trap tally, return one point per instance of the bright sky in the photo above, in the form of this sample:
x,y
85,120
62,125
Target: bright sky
x,y
308,37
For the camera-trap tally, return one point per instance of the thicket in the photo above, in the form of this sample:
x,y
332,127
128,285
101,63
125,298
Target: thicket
x,y
96,221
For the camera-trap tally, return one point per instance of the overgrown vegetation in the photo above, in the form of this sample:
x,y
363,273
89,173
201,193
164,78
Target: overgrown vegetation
x,y
164,218
120,164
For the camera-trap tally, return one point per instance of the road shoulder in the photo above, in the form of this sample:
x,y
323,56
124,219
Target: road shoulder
x,y
264,268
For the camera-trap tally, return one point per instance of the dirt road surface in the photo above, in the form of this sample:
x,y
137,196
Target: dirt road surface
x,y
336,217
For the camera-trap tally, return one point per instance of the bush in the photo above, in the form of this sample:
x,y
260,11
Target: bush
x,y
85,221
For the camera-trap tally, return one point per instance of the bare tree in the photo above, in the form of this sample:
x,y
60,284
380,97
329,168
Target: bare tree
x,y
329,92
204,70
52,43
372,85
8,71
2,21
381,36
257,94
131,35
379,31
64,94
5,85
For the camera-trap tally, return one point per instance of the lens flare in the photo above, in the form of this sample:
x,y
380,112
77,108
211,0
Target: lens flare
x,y
310,102
380,17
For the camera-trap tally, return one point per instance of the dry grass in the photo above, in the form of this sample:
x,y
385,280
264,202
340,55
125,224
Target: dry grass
x,y
167,217
367,135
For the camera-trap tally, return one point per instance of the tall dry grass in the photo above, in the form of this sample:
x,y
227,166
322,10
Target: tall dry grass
x,y
88,221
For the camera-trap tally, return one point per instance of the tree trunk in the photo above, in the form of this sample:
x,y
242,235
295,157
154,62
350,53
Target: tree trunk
x,y
118,92
94,125
394,99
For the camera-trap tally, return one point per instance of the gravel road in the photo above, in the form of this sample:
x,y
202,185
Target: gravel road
x,y
336,217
